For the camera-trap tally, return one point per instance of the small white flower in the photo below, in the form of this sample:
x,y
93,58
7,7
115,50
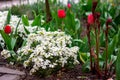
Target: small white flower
x,y
12,63
6,54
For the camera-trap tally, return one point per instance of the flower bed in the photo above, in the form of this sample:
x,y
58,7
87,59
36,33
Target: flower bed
x,y
44,51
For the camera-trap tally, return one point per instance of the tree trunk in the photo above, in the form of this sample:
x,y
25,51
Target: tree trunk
x,y
48,13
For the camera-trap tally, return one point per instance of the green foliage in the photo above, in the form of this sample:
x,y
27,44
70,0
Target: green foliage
x,y
112,46
118,60
10,41
25,20
118,66
17,27
37,21
26,30
28,10
15,10
8,18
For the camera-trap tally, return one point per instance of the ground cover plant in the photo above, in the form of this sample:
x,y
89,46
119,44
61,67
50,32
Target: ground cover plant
x,y
86,33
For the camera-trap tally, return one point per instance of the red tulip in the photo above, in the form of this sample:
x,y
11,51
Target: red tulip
x,y
69,5
61,13
7,29
90,19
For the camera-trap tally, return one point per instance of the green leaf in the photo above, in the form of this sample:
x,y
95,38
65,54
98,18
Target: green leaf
x,y
8,18
118,66
79,40
119,36
25,20
37,21
17,26
7,39
86,66
26,30
83,57
111,46
117,19
77,26
89,5
24,43
34,13
13,42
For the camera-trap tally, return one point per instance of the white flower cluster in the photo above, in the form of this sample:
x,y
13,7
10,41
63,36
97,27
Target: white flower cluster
x,y
6,54
44,49
13,23
3,16
48,50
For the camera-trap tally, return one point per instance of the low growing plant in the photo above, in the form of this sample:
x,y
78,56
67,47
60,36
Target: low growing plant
x,y
46,52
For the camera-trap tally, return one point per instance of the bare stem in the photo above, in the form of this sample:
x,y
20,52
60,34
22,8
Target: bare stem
x,y
106,36
89,42
48,13
97,31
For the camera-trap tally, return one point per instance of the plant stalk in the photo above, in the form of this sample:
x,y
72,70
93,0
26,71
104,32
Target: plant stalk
x,y
89,43
106,36
48,13
97,32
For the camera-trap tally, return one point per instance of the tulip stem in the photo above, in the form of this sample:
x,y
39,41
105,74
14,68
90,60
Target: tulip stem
x,y
106,36
89,43
97,32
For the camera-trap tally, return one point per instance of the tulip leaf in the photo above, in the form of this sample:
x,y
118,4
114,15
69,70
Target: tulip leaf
x,y
8,18
37,21
13,42
24,43
77,26
17,26
7,39
86,67
79,40
118,66
111,46
25,20
26,30
89,5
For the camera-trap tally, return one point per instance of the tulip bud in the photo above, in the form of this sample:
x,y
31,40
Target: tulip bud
x,y
61,13
7,29
90,19
69,5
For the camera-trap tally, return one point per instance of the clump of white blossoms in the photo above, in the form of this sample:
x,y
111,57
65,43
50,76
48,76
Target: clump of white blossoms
x,y
13,23
6,54
47,50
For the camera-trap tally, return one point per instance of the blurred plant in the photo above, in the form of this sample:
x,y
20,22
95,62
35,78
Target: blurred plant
x,y
69,5
93,22
48,13
106,41
118,60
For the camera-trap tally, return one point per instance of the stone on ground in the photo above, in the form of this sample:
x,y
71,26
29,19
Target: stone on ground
x,y
10,71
